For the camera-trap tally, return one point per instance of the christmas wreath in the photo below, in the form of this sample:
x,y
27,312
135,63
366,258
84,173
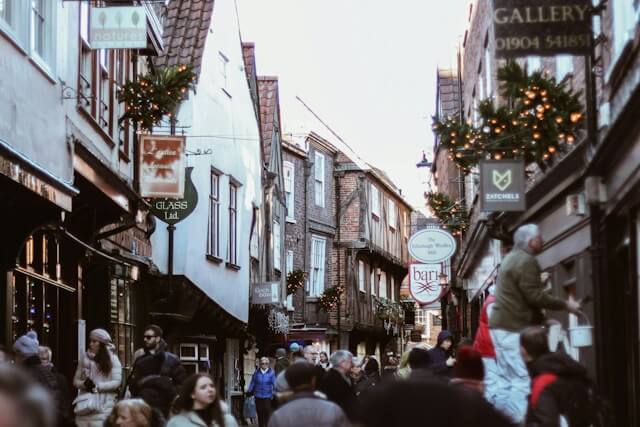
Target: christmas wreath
x,y
155,95
541,117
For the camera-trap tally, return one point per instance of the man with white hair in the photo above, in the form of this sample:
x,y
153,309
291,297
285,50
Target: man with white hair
x,y
337,384
520,297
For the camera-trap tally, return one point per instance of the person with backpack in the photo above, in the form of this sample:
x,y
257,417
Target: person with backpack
x,y
262,386
560,387
157,374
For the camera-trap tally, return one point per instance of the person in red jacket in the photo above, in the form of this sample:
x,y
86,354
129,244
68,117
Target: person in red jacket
x,y
484,345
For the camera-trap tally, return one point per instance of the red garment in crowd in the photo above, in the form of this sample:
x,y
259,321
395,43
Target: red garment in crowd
x,y
483,343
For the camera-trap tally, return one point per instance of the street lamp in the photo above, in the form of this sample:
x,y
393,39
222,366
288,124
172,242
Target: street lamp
x,y
443,280
424,163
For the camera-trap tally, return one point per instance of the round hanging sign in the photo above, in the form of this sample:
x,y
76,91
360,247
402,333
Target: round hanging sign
x,y
432,245
424,283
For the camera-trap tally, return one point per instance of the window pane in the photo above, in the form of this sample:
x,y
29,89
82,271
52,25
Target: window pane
x,y
38,30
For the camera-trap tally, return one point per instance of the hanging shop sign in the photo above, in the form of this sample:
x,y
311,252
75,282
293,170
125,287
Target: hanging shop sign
x,y
265,293
161,166
432,245
502,185
424,283
118,27
172,211
541,27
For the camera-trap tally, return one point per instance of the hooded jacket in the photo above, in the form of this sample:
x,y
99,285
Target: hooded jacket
x,y
559,386
439,356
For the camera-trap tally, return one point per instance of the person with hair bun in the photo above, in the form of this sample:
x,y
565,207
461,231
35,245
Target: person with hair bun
x,y
99,372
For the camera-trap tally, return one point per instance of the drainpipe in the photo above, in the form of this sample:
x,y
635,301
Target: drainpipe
x,y
337,244
306,252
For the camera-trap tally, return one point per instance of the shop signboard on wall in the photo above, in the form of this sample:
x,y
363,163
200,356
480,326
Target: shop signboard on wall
x,y
265,293
172,211
161,166
432,245
424,283
541,27
502,186
122,27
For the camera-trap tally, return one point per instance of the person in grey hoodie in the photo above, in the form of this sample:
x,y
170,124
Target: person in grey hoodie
x,y
305,407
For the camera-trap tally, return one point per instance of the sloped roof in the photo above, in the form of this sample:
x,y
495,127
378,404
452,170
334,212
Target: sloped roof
x,y
269,111
185,30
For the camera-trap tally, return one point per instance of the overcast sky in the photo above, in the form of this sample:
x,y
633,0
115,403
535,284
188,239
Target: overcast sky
x,y
366,67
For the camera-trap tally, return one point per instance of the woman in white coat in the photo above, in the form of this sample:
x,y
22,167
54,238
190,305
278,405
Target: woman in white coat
x,y
199,405
99,373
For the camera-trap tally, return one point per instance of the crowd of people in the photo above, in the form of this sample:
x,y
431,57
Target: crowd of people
x,y
507,376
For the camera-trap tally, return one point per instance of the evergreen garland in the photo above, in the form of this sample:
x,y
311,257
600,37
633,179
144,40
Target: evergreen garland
x,y
155,95
541,118
452,214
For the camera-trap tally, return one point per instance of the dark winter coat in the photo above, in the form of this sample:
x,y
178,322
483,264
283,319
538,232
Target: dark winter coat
x,y
263,385
520,294
559,386
307,409
50,381
439,356
338,389
156,378
366,385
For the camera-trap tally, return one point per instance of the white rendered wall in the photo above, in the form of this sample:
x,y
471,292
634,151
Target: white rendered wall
x,y
227,125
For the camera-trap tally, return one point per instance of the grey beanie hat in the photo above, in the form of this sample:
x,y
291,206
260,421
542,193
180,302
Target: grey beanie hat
x,y
27,345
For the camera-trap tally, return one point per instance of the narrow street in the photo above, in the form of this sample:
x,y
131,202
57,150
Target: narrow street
x,y
284,213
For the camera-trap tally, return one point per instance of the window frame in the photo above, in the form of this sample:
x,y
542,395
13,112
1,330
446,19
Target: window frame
x,y
289,189
232,246
277,247
213,235
375,201
319,179
318,263
392,217
362,280
382,285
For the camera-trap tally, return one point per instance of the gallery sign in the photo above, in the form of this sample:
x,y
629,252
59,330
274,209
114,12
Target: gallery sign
x,y
424,283
432,245
118,27
502,185
541,27
265,293
162,166
172,211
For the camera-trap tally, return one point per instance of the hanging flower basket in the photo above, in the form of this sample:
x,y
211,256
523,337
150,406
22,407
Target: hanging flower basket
x,y
295,281
329,299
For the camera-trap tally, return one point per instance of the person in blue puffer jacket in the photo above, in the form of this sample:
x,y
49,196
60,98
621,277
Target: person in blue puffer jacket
x,y
262,386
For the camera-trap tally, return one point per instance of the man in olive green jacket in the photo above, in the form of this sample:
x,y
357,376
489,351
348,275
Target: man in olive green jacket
x,y
520,296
